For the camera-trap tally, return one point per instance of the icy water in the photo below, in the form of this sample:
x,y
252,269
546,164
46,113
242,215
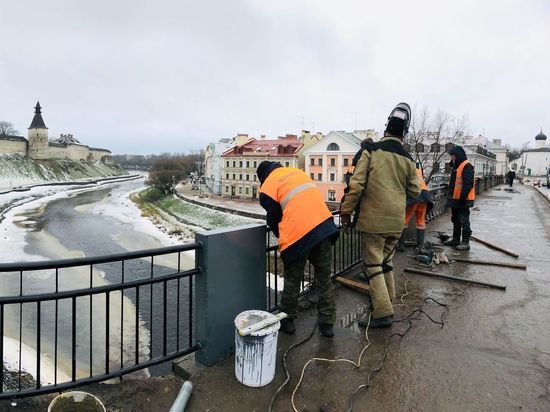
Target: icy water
x,y
87,223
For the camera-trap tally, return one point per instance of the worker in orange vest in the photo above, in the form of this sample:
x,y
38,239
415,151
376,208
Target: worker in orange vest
x,y
461,198
419,207
300,219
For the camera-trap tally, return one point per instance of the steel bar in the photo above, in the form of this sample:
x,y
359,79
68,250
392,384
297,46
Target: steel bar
x,y
492,246
492,263
439,275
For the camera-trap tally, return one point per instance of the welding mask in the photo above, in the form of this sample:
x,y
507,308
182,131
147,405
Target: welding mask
x,y
399,120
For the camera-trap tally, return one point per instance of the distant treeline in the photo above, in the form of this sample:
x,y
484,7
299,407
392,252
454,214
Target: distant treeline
x,y
144,162
165,169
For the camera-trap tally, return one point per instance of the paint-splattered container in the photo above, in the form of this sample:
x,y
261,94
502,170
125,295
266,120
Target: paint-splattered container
x,y
255,354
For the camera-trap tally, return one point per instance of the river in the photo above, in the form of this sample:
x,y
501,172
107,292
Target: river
x,y
89,222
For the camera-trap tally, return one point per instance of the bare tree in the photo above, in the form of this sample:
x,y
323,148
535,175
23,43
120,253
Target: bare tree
x,y
6,129
430,137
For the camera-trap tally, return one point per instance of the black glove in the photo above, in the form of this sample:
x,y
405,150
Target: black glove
x,y
345,221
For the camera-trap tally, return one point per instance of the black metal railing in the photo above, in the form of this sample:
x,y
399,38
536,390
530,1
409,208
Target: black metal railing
x,y
68,323
347,249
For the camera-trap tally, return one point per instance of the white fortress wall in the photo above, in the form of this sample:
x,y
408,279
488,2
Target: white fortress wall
x,y
13,146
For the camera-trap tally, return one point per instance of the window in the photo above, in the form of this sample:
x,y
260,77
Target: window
x,y
312,176
407,147
226,189
254,177
233,176
240,176
436,167
240,163
332,177
320,161
332,196
419,148
333,147
246,189
247,163
312,161
234,164
333,161
254,164
435,148
240,190
346,161
449,146
287,164
247,176
319,177
227,176
227,163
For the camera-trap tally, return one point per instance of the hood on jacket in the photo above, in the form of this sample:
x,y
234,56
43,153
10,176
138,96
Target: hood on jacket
x,y
265,168
460,154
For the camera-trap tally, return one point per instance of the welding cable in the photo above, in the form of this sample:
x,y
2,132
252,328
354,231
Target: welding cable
x,y
387,345
274,397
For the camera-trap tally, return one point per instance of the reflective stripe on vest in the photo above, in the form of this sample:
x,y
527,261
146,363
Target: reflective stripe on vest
x,y
294,192
301,202
458,183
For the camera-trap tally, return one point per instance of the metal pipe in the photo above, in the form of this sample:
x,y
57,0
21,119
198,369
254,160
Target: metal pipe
x,y
183,397
439,275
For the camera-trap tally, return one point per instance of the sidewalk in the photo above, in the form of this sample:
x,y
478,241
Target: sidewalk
x,y
248,208
492,354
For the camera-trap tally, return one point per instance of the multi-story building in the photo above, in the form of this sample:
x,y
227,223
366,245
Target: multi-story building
x,y
239,163
213,164
328,160
502,156
534,162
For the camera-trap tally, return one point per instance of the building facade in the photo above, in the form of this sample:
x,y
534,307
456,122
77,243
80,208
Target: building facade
x,y
238,170
38,146
213,164
534,162
328,160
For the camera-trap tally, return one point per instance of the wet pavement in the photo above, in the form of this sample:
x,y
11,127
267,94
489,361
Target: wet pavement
x,y
492,354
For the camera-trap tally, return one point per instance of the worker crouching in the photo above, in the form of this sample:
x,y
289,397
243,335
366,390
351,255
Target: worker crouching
x,y
299,218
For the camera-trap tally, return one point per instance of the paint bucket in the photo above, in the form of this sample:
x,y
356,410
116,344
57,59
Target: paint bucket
x,y
255,354
76,401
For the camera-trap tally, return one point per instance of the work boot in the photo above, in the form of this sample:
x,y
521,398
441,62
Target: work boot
x,y
464,245
327,329
455,241
401,243
287,326
420,236
452,242
383,322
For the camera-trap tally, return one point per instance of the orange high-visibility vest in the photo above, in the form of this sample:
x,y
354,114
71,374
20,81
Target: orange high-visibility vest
x,y
421,179
301,202
458,183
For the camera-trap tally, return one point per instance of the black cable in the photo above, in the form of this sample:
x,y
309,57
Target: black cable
x,y
387,345
272,402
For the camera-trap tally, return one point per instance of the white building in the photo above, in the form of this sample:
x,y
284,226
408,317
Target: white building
x,y
213,164
534,162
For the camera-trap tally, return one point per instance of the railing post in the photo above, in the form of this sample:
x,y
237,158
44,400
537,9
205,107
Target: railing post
x,y
232,279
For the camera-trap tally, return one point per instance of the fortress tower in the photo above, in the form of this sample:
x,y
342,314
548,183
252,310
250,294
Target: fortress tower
x,y
38,136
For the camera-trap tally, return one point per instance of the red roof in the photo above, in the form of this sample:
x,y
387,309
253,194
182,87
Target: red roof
x,y
264,147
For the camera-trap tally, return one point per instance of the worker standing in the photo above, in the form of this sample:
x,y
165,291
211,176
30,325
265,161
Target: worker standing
x,y
461,198
300,219
419,207
383,178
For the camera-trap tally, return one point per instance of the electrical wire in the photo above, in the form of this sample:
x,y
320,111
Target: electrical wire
x,y
357,364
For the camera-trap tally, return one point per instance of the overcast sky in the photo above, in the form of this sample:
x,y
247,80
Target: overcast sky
x,y
155,76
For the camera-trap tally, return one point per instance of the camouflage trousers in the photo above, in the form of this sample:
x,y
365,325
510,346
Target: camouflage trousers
x,y
377,250
320,257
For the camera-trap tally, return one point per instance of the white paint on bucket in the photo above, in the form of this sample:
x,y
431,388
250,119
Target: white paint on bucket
x,y
255,354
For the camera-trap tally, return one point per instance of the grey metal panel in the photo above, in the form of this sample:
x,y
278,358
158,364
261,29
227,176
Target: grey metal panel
x,y
233,263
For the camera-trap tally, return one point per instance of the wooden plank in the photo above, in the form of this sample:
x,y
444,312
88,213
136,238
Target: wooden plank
x,y
492,263
448,277
359,286
492,246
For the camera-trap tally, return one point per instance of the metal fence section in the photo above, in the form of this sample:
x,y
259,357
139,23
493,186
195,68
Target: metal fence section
x,y
72,322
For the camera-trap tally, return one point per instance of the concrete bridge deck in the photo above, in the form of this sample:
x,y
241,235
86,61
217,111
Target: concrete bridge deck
x,y
492,354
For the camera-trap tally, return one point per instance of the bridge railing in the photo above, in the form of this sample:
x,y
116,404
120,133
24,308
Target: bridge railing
x,y
67,323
